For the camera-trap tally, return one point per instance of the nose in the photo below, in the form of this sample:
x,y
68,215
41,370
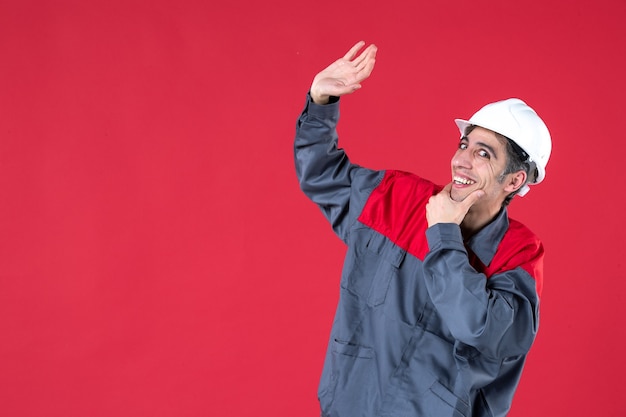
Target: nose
x,y
461,160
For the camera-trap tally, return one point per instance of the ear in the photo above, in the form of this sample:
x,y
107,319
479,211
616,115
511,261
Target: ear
x,y
515,181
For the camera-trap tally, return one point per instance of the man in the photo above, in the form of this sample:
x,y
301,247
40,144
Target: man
x,y
440,289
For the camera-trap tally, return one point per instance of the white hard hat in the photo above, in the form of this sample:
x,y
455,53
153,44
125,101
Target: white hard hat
x,y
517,121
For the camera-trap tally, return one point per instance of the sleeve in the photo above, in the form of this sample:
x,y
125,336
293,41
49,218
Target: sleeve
x,y
324,171
498,316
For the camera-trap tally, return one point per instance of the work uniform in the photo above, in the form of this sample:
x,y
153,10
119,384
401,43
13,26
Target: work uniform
x,y
427,325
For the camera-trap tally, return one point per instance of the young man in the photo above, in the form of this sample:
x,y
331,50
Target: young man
x,y
440,289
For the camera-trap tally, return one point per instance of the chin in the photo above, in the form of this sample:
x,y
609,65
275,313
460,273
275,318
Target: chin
x,y
458,196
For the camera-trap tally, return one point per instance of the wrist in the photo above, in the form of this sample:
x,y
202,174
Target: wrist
x,y
319,98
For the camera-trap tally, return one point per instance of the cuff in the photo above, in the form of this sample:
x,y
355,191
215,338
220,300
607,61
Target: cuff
x,y
445,235
323,111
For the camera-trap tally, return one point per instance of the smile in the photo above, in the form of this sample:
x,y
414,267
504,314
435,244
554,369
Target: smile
x,y
464,181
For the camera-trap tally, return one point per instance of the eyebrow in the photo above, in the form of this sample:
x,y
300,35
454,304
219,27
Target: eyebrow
x,y
482,145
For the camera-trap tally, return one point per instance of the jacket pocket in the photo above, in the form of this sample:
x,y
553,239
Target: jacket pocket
x,y
390,259
351,376
351,349
460,407
435,401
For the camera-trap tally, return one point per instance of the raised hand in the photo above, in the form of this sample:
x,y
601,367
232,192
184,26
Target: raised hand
x,y
344,76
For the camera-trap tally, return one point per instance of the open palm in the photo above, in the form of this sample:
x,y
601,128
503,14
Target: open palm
x,y
344,76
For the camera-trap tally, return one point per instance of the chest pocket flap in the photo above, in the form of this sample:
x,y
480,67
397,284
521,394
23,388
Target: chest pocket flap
x,y
390,257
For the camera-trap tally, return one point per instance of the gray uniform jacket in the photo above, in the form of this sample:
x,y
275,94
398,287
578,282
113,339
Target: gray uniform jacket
x,y
427,325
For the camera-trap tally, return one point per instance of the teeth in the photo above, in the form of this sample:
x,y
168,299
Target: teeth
x,y
465,181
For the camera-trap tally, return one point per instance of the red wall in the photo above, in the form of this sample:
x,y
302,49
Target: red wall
x,y
156,255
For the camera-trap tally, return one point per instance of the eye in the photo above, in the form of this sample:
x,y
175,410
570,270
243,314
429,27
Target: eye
x,y
463,145
484,154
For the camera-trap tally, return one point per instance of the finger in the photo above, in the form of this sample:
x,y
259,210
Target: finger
x,y
471,199
365,57
353,51
447,188
365,73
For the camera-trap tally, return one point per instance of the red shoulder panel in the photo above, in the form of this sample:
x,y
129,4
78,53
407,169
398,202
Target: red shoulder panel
x,y
397,210
519,248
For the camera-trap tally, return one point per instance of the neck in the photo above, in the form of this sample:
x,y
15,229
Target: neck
x,y
476,219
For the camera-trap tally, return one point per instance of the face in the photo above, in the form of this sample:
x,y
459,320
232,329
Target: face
x,y
477,165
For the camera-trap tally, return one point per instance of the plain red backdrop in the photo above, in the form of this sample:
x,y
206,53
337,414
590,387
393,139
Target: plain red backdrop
x,y
156,255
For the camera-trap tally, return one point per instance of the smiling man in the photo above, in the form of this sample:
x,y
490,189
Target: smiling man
x,y
439,297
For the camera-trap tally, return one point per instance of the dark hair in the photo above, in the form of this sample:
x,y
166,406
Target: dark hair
x,y
516,160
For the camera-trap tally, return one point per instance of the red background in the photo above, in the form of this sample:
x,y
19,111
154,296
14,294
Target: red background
x,y
157,257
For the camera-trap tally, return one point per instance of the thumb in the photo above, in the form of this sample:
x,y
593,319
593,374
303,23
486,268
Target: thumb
x,y
471,199
447,188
